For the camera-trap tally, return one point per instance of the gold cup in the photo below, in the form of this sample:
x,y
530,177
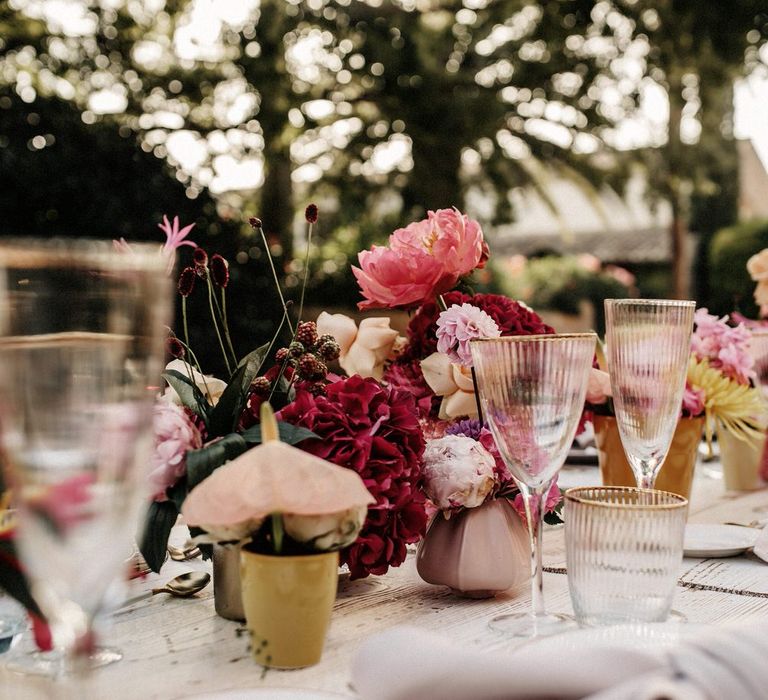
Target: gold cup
x,y
288,602
676,473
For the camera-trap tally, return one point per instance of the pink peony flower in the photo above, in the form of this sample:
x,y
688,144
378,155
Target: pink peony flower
x,y
424,259
375,431
175,433
457,325
397,278
458,472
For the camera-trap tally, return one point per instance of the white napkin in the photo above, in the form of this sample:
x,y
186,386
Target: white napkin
x,y
404,663
761,545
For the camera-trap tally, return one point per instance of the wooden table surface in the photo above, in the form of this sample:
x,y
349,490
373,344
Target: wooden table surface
x,y
176,648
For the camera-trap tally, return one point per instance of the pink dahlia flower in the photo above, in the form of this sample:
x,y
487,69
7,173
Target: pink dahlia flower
x,y
457,326
175,433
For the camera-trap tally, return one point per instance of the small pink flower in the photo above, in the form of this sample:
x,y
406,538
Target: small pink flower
x,y
175,433
457,326
693,401
553,498
174,238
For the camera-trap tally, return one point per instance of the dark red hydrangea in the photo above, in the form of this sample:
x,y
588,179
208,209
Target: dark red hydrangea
x,y
375,431
511,317
407,376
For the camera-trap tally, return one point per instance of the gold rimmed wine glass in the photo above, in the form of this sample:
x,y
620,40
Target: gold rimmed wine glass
x,y
532,391
648,349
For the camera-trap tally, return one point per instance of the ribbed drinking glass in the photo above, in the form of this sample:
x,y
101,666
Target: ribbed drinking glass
x,y
532,390
624,547
648,347
82,327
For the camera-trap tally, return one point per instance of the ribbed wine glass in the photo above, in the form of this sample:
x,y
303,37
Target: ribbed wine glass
x,y
649,347
81,349
532,390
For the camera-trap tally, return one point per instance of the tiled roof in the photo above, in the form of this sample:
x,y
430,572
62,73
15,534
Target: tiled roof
x,y
629,246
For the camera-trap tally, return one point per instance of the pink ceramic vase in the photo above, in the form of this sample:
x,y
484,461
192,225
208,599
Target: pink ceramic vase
x,y
478,552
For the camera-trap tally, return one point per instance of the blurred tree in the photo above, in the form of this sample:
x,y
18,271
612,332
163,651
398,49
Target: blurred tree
x,y
383,110
696,51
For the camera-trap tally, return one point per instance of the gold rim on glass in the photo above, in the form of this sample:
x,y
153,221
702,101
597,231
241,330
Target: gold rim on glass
x,y
528,338
574,495
651,302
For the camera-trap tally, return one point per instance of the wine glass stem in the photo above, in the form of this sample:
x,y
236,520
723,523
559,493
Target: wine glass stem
x,y
534,501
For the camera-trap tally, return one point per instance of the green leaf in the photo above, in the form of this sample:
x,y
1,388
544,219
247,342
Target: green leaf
x,y
153,543
289,434
190,395
203,462
12,579
226,413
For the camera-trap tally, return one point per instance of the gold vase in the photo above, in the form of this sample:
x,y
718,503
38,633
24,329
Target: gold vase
x,y
288,603
676,474
227,599
740,460
478,552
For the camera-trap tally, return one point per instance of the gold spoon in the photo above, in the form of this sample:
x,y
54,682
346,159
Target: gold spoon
x,y
178,554
182,586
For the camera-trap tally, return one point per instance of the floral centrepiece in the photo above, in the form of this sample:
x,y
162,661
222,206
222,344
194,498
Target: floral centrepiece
x,y
433,363
212,421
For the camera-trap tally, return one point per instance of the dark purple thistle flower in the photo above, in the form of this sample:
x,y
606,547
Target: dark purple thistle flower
x,y
187,281
174,347
219,271
310,213
200,257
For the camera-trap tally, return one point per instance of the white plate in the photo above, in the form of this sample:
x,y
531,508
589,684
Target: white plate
x,y
265,693
704,541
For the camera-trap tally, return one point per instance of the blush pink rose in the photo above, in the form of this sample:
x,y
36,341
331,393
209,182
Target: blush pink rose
x,y
757,266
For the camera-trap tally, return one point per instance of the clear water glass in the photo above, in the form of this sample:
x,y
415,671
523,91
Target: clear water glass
x,y
81,349
624,548
648,350
532,390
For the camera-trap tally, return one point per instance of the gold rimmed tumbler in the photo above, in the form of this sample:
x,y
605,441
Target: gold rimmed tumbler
x,y
532,390
624,547
648,348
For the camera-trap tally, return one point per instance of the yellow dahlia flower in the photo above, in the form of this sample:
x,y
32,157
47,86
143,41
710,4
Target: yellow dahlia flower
x,y
739,408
